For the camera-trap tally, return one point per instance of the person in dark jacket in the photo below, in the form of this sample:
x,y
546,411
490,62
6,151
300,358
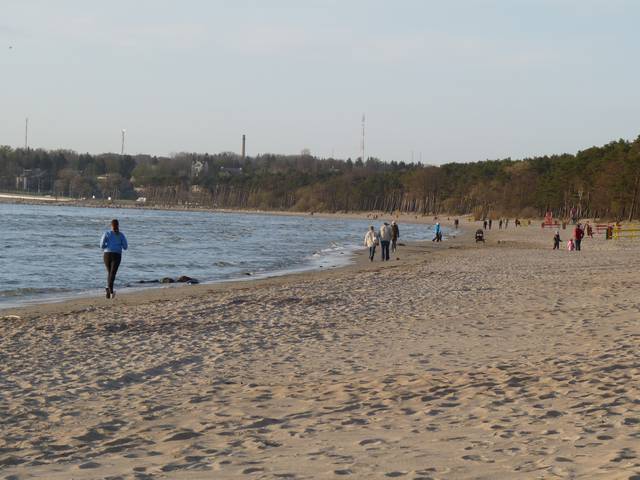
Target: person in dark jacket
x,y
556,240
112,243
578,233
395,235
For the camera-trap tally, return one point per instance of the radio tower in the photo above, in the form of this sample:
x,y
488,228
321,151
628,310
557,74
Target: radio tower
x,y
363,159
26,133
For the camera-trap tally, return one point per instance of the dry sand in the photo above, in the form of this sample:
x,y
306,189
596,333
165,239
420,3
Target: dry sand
x,y
458,361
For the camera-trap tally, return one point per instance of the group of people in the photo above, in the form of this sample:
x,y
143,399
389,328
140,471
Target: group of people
x,y
575,242
387,237
503,222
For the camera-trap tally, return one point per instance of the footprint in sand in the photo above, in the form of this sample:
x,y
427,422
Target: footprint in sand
x,y
248,471
371,441
185,435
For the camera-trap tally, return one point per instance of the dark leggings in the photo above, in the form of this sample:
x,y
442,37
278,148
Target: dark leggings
x,y
112,262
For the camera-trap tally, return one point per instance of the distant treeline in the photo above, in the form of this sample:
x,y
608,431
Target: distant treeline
x,y
598,182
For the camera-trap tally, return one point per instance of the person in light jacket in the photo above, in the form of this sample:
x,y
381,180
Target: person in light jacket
x,y
370,241
386,234
112,243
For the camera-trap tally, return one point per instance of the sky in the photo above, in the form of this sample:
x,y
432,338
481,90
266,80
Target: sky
x,y
438,82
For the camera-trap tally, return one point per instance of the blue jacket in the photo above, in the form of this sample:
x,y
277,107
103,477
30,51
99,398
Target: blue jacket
x,y
112,242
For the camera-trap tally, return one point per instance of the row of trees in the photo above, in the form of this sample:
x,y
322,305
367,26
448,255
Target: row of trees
x,y
600,181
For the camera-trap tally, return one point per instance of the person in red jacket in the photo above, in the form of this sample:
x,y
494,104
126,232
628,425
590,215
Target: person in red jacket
x,y
578,233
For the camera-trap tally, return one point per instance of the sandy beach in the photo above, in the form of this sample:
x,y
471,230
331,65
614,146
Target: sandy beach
x,y
452,361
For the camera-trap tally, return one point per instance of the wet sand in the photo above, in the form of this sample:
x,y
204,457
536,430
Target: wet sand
x,y
497,361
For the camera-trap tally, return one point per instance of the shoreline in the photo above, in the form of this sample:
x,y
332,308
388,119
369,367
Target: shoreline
x,y
133,289
357,263
351,256
414,218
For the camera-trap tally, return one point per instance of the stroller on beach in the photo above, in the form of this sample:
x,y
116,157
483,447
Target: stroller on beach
x,y
479,235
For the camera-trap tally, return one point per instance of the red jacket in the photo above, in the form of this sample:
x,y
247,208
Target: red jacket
x,y
578,233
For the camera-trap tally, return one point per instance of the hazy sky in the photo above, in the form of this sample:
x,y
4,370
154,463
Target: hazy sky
x,y
455,80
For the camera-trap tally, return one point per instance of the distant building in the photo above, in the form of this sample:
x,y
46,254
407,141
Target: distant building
x,y
199,167
30,180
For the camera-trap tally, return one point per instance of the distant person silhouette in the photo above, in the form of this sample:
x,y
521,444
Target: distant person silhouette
x,y
578,234
112,243
395,235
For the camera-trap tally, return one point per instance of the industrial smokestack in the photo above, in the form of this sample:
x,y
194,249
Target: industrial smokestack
x,y
244,145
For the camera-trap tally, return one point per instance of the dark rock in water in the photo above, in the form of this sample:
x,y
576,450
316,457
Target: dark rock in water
x,y
148,281
185,279
167,280
247,273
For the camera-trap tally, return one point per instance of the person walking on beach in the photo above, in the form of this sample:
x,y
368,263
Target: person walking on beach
x,y
112,243
578,233
500,225
490,223
395,235
456,222
438,237
370,241
589,230
385,240
485,224
556,240
571,246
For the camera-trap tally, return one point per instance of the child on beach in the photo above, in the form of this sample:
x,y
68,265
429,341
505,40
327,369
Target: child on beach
x,y
589,230
556,240
570,245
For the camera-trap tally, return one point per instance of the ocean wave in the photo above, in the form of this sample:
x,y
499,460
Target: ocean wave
x,y
223,264
25,292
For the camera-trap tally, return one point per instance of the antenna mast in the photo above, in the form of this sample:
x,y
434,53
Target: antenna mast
x,y
26,133
363,159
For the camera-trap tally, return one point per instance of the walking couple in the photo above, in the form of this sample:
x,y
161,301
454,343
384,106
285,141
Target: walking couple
x,y
386,237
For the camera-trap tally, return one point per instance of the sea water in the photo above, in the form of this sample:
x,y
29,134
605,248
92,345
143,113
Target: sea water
x,y
50,253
